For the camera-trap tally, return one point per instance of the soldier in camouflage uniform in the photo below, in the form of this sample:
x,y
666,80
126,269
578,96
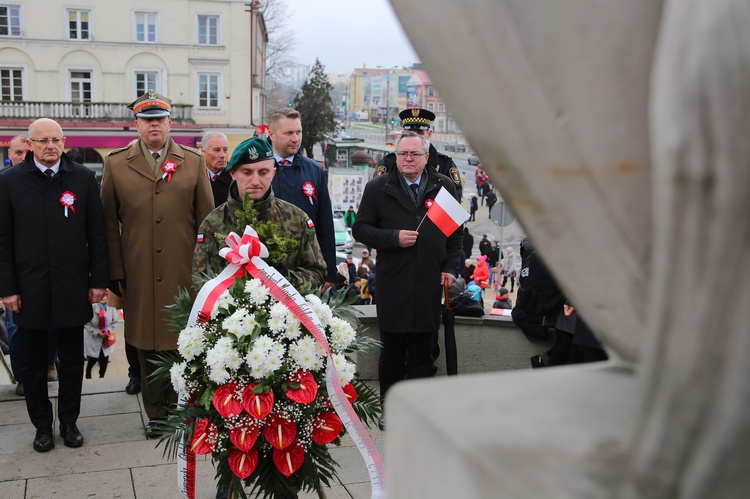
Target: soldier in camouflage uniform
x,y
252,169
418,120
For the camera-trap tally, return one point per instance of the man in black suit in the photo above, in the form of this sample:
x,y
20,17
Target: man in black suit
x,y
216,150
53,265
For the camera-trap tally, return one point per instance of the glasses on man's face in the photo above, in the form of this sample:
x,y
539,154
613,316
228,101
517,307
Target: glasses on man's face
x,y
415,155
54,140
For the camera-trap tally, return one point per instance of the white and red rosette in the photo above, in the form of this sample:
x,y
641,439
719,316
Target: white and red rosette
x,y
309,190
67,199
169,168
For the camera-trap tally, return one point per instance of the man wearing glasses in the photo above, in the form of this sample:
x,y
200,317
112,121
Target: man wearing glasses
x,y
53,265
418,120
412,265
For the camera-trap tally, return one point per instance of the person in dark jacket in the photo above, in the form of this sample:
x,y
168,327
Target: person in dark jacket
x,y
215,148
412,265
53,266
302,182
468,243
419,121
491,200
484,246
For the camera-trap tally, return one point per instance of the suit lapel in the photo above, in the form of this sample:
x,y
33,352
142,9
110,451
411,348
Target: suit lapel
x,y
137,162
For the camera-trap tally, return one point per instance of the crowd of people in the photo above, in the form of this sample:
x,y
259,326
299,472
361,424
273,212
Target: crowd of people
x,y
123,250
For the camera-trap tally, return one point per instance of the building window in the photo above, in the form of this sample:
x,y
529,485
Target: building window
x,y
78,24
208,90
10,20
80,92
208,30
145,27
431,91
431,106
11,84
441,107
145,81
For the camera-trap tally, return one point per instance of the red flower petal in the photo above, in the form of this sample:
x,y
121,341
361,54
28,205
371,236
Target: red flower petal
x,y
326,428
280,432
289,460
308,388
244,436
350,392
227,402
257,405
241,463
204,437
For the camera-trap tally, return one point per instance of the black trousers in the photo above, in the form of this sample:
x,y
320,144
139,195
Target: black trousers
x,y
404,356
102,360
33,344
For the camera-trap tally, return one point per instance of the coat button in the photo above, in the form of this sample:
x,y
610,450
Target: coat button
x,y
157,191
158,250
158,220
158,279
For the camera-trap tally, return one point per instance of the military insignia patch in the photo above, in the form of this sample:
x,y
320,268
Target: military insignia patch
x,y
252,153
199,238
310,223
453,172
380,170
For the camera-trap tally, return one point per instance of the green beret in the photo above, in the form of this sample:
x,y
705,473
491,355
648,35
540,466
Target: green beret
x,y
250,151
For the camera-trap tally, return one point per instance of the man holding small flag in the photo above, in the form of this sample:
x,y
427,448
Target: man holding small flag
x,y
413,259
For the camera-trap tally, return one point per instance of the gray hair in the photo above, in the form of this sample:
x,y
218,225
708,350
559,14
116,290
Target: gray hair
x,y
210,135
425,142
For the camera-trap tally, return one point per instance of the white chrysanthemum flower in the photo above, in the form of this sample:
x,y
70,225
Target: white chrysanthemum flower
x,y
263,342
233,360
237,323
218,375
342,334
256,292
305,354
278,349
293,328
255,358
177,375
224,346
191,342
313,300
277,323
224,301
345,369
273,362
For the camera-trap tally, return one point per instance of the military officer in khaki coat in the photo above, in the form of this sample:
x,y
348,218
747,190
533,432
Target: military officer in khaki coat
x,y
155,194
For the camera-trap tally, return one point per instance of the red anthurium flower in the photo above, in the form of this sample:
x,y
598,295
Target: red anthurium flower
x,y
257,405
245,434
326,428
279,431
289,460
243,463
227,402
350,392
307,389
204,437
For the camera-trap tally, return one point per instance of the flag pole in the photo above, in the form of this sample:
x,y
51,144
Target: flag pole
x,y
420,223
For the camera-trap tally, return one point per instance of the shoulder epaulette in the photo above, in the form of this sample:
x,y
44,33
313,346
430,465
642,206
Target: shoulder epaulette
x,y
120,149
191,149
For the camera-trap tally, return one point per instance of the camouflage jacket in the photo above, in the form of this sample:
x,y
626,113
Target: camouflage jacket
x,y
305,262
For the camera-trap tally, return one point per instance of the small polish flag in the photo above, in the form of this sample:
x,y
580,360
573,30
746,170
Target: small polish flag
x,y
447,213
199,239
310,223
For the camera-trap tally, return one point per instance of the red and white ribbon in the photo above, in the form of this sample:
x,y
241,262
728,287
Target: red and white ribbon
x,y
67,200
309,190
245,256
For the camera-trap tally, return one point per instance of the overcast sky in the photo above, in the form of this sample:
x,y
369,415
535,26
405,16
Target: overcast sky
x,y
344,34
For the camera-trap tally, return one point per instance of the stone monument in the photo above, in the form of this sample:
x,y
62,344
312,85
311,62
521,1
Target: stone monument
x,y
619,133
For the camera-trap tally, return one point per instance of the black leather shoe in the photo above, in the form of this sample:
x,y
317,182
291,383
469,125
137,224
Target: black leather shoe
x,y
133,387
71,436
153,430
44,440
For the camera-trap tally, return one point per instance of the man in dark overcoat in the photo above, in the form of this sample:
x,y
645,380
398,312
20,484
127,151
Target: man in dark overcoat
x,y
53,265
412,265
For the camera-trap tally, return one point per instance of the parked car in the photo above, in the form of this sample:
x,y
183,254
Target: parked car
x,y
473,158
455,146
344,239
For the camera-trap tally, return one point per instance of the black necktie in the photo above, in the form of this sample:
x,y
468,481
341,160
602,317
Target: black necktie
x,y
50,173
156,156
415,189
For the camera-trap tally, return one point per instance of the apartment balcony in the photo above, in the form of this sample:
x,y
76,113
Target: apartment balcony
x,y
87,111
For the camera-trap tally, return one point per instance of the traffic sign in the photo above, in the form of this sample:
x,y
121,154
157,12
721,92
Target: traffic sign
x,y
501,215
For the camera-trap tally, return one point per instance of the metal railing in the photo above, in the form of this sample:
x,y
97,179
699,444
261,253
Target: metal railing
x,y
87,111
